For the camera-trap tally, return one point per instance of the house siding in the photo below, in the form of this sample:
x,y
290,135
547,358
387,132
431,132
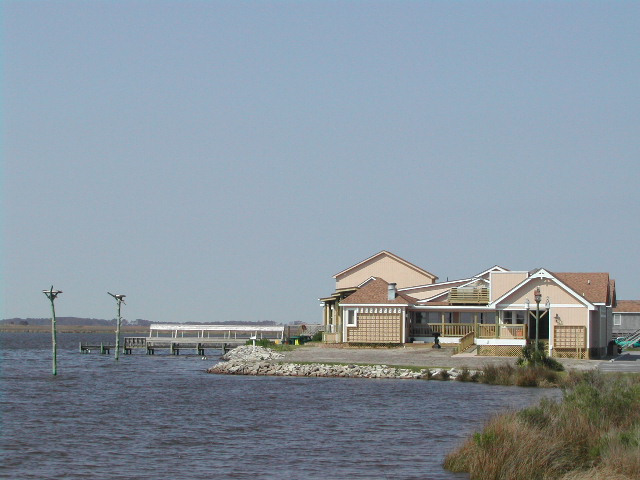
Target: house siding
x,y
569,316
502,282
630,323
383,267
557,296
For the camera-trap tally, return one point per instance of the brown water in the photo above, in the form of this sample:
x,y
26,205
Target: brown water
x,y
164,417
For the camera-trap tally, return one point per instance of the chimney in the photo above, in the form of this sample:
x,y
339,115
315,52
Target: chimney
x,y
391,292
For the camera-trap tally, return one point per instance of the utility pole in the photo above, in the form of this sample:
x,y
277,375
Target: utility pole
x,y
51,295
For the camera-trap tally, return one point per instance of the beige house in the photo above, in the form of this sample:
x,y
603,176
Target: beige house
x,y
384,264
385,299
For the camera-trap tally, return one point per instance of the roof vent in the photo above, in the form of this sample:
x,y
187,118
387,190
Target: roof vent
x,y
588,282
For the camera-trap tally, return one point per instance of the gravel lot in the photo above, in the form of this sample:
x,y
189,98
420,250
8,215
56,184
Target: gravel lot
x,y
410,355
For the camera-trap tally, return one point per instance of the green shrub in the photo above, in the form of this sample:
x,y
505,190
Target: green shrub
x,y
532,357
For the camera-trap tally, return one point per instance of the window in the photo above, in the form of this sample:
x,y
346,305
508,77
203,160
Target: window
x,y
352,317
516,317
617,319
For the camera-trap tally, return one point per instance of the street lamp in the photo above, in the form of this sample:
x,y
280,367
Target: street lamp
x,y
120,299
51,295
538,297
527,304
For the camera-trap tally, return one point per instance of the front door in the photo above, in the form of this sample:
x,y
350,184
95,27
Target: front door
x,y
543,325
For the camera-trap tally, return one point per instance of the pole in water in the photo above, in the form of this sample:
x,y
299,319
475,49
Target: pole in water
x,y
51,295
120,299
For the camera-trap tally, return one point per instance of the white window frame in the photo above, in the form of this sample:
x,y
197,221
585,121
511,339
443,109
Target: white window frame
x,y
514,317
351,322
617,319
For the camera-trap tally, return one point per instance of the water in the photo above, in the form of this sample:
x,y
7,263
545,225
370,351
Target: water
x,y
164,417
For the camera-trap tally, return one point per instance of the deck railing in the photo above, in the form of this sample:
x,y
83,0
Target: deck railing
x,y
477,330
452,329
466,341
486,331
502,331
513,331
465,295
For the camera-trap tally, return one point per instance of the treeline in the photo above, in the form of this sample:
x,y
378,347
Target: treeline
x,y
77,321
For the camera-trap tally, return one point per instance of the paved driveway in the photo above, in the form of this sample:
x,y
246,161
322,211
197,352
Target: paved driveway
x,y
627,362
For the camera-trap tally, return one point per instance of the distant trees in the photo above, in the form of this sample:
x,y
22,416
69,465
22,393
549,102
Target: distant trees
x,y
96,321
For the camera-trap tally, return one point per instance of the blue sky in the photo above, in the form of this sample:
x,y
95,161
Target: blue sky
x,y
220,161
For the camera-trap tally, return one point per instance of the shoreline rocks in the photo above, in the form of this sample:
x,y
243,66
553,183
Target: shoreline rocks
x,y
249,353
249,360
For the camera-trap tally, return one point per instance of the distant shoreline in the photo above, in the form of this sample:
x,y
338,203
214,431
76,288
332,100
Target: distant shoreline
x,y
125,329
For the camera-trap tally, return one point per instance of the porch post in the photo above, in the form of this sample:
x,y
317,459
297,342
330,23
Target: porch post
x,y
497,325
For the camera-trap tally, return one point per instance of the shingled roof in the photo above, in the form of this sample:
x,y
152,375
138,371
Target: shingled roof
x,y
627,306
595,287
376,293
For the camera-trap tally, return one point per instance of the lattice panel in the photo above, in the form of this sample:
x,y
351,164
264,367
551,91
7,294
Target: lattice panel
x,y
499,350
581,353
376,328
569,337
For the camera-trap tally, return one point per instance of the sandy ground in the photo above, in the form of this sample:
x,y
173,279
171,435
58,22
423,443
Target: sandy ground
x,y
410,355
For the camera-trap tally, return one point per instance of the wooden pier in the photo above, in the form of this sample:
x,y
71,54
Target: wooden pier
x,y
190,337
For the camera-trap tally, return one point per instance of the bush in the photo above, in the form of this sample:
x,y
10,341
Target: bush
x,y
593,433
532,357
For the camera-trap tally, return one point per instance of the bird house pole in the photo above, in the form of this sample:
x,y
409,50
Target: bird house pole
x,y
120,299
51,295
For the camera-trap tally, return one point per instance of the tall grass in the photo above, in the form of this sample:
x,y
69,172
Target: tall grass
x,y
530,376
593,433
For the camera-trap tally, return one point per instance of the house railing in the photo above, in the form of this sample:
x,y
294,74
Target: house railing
x,y
466,341
452,329
513,331
465,295
517,331
487,331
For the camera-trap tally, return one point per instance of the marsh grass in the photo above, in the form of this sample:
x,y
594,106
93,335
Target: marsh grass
x,y
523,376
592,433
467,376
